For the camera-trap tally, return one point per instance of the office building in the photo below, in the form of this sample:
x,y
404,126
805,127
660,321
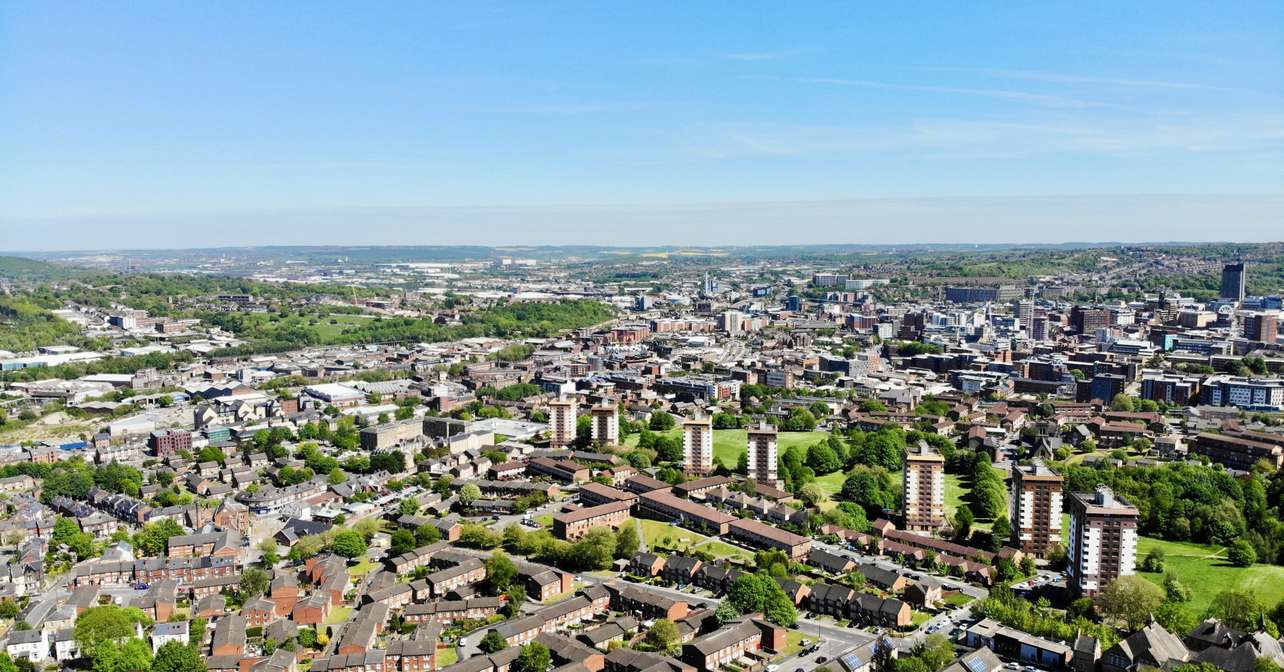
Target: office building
x,y
1259,394
1024,311
1087,321
924,489
1036,509
1261,327
1233,276
1103,386
697,445
733,321
1103,540
1000,293
561,423
1170,388
762,455
606,424
1039,328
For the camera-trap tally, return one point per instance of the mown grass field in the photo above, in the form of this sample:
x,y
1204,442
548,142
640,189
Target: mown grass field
x,y
654,532
730,444
1205,570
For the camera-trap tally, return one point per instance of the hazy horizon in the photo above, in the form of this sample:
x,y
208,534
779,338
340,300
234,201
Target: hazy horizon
x,y
1035,220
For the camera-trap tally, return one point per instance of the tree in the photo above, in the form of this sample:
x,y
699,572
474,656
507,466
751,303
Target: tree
x,y
1130,600
1174,591
516,596
663,634
500,571
212,454
799,420
627,542
594,550
1001,530
492,642
661,421
337,476
196,631
1154,561
811,494
254,582
403,541
726,612
154,537
772,561
778,608
963,522
935,651
873,406
1122,402
408,507
747,594
822,459
871,489
349,544
1238,609
469,494
760,592
132,655
989,499
270,553
668,449
107,623
1174,617
478,536
535,657
1242,554
427,535
175,657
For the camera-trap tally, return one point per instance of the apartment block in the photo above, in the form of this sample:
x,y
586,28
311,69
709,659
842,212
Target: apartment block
x,y
1238,452
1036,509
606,424
561,423
924,489
577,523
697,445
762,455
1103,540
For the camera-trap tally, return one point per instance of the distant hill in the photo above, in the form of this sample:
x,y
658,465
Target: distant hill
x,y
22,269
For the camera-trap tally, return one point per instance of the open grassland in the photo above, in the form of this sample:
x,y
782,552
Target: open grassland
x,y
1205,570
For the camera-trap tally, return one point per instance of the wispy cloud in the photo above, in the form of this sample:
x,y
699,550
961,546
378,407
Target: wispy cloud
x,y
943,138
1037,76
1002,94
572,109
1097,80
779,55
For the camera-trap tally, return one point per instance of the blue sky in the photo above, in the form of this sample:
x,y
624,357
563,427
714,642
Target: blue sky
x,y
186,124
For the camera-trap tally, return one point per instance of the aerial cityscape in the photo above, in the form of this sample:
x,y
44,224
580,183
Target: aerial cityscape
x,y
641,337
692,459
